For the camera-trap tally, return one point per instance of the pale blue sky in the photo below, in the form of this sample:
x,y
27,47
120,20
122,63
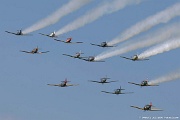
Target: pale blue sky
x,y
24,77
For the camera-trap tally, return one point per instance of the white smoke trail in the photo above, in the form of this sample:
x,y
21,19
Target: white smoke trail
x,y
170,31
106,8
160,17
166,78
167,46
71,6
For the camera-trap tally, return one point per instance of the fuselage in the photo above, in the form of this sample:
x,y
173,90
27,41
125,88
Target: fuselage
x,y
103,44
53,34
144,83
117,91
147,107
19,32
135,57
68,40
35,50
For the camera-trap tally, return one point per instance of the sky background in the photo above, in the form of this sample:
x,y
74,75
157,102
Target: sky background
x,y
25,94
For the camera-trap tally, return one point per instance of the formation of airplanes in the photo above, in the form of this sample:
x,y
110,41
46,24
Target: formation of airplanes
x,y
91,59
148,107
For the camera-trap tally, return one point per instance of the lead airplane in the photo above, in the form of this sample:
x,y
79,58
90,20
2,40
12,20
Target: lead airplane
x,y
143,83
117,91
19,32
90,59
63,84
77,55
68,40
103,44
52,35
103,80
148,107
134,58
35,51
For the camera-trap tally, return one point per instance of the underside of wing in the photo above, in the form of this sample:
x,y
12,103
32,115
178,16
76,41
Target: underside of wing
x,y
43,52
10,32
72,85
127,93
137,107
153,85
44,34
142,59
59,40
126,57
68,55
75,42
95,44
108,92
26,51
53,84
134,83
155,109
94,81
112,81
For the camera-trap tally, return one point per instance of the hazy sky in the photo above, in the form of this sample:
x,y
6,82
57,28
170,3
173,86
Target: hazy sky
x,y
25,94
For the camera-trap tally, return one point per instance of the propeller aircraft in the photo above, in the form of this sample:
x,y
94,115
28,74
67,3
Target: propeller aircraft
x,y
103,44
68,40
77,55
63,84
35,51
19,32
143,83
148,107
103,80
117,91
90,59
52,35
134,58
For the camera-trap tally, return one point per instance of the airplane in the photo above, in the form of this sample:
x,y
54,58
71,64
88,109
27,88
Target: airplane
x,y
77,55
68,40
117,91
19,32
134,58
53,34
103,80
63,84
143,83
35,51
148,107
103,44
90,59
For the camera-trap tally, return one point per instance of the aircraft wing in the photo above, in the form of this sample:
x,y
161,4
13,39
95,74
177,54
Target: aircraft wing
x,y
108,92
11,32
72,85
95,44
44,34
134,83
142,59
127,93
69,55
75,42
111,81
126,57
53,84
153,85
155,109
95,81
60,40
137,107
43,52
26,51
